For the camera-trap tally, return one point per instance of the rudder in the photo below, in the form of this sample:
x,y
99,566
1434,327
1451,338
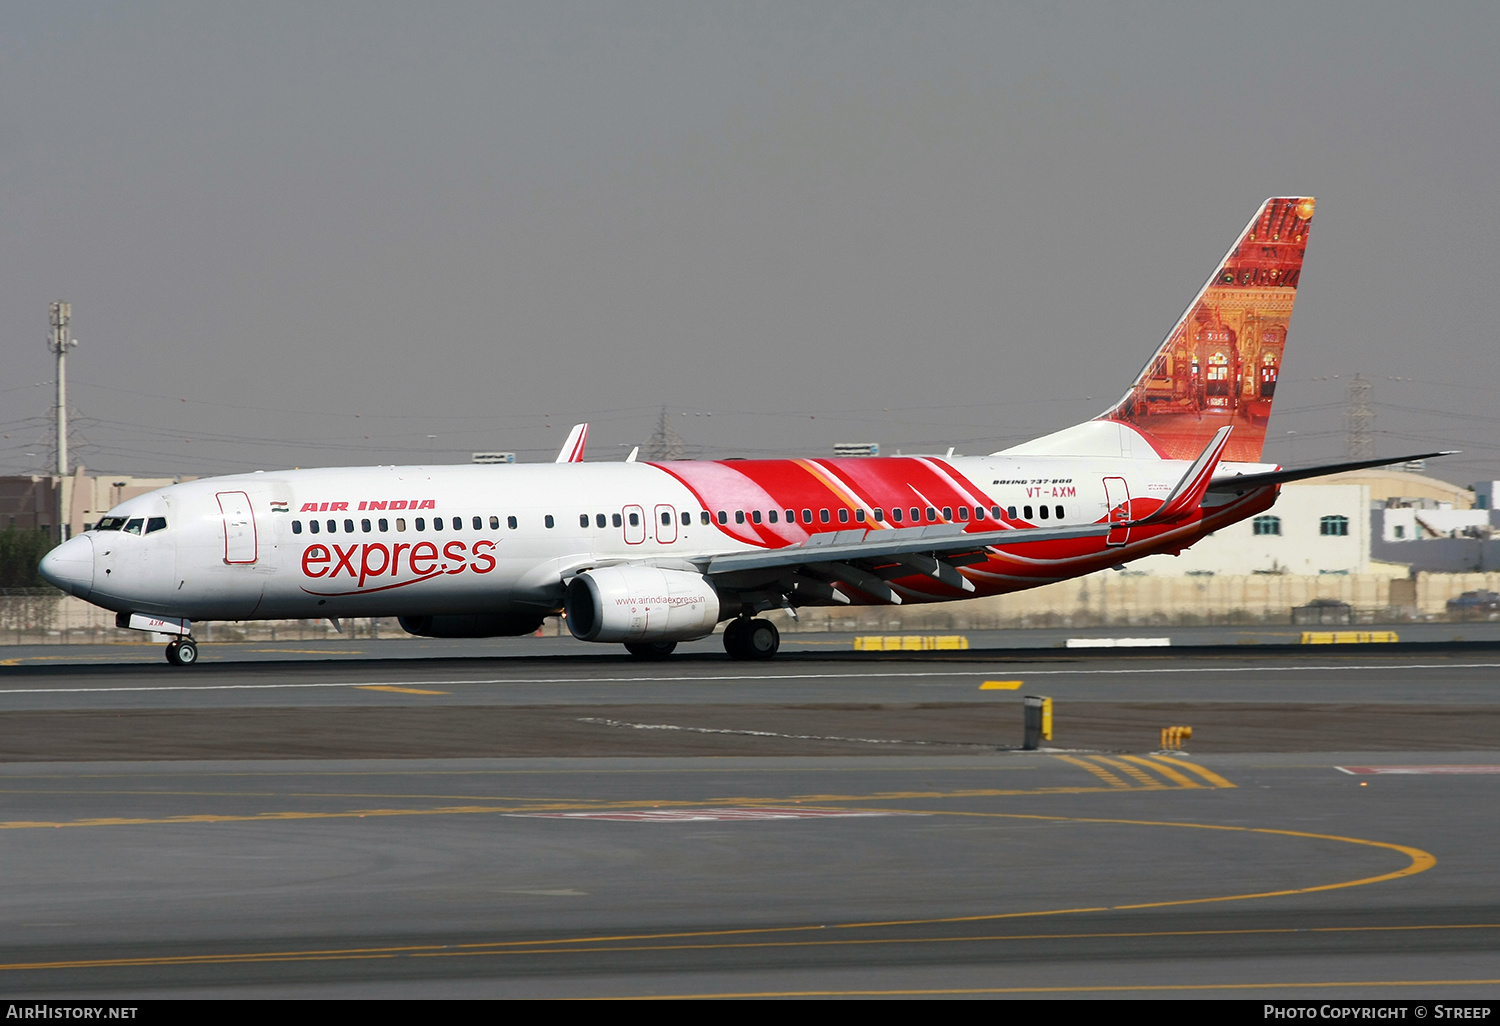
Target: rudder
x,y
1218,367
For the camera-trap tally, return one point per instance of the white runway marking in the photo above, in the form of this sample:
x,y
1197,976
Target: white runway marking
x,y
730,678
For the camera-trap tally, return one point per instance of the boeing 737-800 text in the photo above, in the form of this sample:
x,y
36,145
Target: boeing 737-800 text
x,y
653,553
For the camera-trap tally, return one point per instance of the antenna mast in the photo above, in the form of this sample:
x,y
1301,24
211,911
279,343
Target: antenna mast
x,y
1359,421
59,341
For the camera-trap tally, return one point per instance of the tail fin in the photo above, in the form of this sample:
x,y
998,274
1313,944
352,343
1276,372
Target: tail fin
x,y
1218,367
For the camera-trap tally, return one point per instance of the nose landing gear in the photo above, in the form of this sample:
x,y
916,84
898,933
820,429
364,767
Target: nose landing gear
x,y
751,639
182,652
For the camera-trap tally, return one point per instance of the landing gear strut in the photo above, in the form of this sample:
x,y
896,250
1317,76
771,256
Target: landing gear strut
x,y
751,639
182,652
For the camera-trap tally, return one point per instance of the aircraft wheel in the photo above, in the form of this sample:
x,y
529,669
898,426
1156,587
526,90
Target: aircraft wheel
x,y
736,642
762,640
183,652
650,649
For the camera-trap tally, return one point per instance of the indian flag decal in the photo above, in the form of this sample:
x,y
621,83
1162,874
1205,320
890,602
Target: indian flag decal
x,y
280,506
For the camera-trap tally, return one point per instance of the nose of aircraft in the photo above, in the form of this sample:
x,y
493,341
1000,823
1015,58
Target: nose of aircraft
x,y
70,566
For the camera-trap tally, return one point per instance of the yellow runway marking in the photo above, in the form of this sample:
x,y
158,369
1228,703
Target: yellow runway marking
x,y
1144,779
1207,774
1116,785
1097,770
1166,771
1420,861
404,691
1000,685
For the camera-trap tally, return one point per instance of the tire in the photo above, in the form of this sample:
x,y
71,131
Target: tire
x,y
735,641
183,653
762,640
650,649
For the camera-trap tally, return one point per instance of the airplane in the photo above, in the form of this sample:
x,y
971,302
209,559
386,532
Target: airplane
x,y
650,554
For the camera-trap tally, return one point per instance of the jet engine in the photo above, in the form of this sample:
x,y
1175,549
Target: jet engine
x,y
641,603
482,625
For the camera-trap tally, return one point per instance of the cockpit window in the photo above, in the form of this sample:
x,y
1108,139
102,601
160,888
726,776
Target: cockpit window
x,y
110,524
134,526
156,524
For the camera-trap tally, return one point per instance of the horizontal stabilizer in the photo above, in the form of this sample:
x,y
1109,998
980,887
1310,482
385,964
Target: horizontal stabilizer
x,y
1245,482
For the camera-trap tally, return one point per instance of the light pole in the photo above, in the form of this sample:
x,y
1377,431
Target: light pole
x,y
59,341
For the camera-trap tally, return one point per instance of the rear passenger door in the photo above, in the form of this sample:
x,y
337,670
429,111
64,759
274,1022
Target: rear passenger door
x,y
666,524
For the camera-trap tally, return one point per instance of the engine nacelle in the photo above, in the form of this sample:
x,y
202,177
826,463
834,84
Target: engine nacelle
x,y
641,603
481,625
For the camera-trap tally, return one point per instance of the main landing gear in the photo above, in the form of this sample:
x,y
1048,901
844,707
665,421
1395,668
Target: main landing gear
x,y
751,639
182,652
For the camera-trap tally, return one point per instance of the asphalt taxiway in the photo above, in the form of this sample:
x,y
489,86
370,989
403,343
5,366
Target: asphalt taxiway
x,y
591,826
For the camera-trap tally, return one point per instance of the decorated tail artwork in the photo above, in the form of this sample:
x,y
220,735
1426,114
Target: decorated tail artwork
x,y
1218,367
650,554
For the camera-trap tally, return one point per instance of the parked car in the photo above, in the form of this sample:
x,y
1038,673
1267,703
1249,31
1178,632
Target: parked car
x,y
1475,605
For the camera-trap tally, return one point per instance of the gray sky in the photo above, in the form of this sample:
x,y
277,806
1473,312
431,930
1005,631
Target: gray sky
x,y
331,234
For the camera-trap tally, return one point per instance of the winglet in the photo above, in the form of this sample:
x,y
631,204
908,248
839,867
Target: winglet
x,y
572,450
1188,493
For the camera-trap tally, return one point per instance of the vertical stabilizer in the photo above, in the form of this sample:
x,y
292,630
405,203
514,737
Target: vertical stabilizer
x,y
1218,367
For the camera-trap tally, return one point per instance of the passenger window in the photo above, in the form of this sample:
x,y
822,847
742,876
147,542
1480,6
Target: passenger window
x,y
600,521
755,516
807,516
348,527
1059,512
479,524
400,523
616,520
963,513
916,515
421,523
437,523
296,527
583,520
550,523
896,514
314,526
879,515
791,516
859,516
978,513
723,517
1010,511
1043,512
687,520
156,524
494,524
844,515
510,522
704,517
635,520
1027,511
385,525
739,516
931,514
666,520
333,527
458,523
947,513
364,525
773,516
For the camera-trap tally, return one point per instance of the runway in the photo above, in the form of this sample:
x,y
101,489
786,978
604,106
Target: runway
x,y
588,826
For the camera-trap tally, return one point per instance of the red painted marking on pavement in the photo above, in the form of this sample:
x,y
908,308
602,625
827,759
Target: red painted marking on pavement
x,y
1418,770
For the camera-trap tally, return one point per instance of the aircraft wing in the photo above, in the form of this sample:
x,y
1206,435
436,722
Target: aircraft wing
x,y
572,450
866,559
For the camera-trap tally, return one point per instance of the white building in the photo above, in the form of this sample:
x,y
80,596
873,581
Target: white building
x,y
1313,529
